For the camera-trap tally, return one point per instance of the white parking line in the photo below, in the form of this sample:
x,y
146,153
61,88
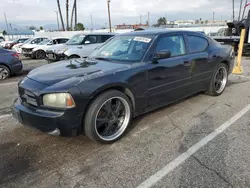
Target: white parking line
x,y
9,83
5,116
186,155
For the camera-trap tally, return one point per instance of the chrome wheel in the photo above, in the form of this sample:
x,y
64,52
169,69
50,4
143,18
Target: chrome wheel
x,y
220,80
4,73
112,118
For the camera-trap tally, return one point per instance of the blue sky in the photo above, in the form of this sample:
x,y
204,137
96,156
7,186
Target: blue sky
x,y
42,12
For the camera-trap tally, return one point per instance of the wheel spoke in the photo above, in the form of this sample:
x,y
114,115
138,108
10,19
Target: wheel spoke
x,y
118,106
108,106
108,130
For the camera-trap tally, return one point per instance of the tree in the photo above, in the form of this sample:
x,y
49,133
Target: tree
x,y
32,27
67,15
41,27
60,13
202,22
162,21
80,26
206,21
197,21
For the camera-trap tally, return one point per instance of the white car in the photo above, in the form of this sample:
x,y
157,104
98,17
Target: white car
x,y
39,52
30,45
80,45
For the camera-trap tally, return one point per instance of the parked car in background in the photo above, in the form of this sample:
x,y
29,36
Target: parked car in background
x,y
9,63
18,47
9,45
80,45
131,74
39,52
28,47
4,43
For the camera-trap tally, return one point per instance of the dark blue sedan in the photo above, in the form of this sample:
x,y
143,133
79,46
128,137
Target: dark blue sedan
x,y
9,63
129,75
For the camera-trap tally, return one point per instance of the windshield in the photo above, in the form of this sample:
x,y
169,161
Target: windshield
x,y
124,48
28,41
76,40
44,42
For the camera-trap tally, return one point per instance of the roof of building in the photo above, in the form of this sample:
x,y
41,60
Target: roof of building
x,y
18,32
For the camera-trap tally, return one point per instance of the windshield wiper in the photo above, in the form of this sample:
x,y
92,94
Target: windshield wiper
x,y
103,58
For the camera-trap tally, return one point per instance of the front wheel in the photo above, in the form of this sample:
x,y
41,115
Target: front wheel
x,y
108,117
219,80
40,54
4,72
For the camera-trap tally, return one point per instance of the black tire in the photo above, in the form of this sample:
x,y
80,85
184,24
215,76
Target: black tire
x,y
40,54
90,128
4,72
211,89
74,57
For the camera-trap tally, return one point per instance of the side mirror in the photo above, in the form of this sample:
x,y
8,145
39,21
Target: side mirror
x,y
87,42
162,55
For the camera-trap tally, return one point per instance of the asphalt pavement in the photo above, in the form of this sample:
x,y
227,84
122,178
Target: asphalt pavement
x,y
201,141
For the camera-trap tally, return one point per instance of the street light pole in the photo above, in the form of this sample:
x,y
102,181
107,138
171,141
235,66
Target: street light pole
x,y
110,27
57,20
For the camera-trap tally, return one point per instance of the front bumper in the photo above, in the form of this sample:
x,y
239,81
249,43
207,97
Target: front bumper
x,y
51,122
54,57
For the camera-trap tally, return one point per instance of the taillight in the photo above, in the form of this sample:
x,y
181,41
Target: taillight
x,y
15,55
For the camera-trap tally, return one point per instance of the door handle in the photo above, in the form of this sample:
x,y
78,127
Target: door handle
x,y
187,63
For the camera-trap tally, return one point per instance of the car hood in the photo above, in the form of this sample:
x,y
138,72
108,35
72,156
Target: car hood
x,y
78,68
29,46
56,47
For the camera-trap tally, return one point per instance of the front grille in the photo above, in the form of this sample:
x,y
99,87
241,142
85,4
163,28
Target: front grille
x,y
27,97
26,50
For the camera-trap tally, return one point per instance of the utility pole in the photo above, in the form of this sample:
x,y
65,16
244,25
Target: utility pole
x,y
240,10
148,19
7,25
57,20
75,16
140,20
110,27
233,10
91,21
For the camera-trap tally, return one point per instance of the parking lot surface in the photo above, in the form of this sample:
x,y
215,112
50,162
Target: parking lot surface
x,y
29,158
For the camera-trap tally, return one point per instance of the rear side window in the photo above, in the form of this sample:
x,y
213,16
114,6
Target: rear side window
x,y
197,44
106,37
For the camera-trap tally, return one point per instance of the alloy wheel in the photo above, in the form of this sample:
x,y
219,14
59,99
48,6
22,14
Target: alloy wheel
x,y
4,73
112,118
220,80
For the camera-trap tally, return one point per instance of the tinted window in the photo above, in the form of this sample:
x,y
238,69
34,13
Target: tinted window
x,y
175,44
106,37
61,41
91,38
197,44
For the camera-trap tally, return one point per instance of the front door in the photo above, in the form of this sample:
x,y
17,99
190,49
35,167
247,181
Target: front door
x,y
168,79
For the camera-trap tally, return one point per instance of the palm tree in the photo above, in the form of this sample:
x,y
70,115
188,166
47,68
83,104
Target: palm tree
x,y
67,14
60,12
72,15
75,16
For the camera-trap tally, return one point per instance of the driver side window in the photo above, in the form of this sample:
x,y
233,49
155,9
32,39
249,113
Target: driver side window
x,y
175,44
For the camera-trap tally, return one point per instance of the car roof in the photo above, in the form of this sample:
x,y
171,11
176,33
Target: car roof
x,y
96,33
160,31
59,38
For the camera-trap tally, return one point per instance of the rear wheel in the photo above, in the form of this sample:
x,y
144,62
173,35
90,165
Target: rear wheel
x,y
40,54
219,80
108,117
4,72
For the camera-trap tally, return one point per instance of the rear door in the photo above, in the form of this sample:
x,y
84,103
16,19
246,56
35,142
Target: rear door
x,y
201,69
93,41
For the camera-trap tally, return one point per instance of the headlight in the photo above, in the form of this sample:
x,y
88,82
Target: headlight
x,y
58,100
62,51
